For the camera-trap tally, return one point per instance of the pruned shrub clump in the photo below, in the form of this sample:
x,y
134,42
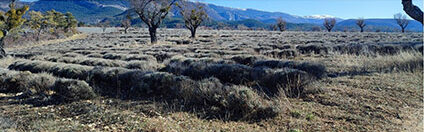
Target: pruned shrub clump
x,y
143,65
125,83
247,59
371,49
129,57
286,53
289,81
313,48
42,82
228,102
15,82
228,73
389,49
95,55
108,81
356,49
85,61
72,90
315,69
159,84
161,56
178,64
57,69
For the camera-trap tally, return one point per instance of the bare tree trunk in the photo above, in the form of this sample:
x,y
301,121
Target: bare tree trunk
x,y
412,10
329,30
153,37
362,29
2,52
193,33
38,35
126,30
403,30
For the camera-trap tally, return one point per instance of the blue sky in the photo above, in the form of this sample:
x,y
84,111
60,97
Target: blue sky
x,y
339,8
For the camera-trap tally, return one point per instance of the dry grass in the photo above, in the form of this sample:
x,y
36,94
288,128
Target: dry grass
x,y
41,43
410,61
5,62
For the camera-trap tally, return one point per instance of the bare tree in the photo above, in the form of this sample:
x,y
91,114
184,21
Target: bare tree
x,y
412,10
152,12
193,15
401,21
329,23
361,23
281,24
126,23
273,27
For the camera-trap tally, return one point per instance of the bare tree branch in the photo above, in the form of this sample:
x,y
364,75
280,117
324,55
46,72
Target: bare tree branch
x,y
193,15
402,21
361,23
412,10
152,12
329,23
282,24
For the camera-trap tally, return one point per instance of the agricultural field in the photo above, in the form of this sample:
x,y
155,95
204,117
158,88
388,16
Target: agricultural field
x,y
220,81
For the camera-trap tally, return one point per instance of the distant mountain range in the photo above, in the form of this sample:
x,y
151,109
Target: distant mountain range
x,y
94,11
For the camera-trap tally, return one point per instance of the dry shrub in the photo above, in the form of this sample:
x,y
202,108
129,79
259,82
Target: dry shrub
x,y
84,61
313,48
161,56
158,84
43,82
228,73
129,57
71,55
235,102
372,49
15,82
389,49
291,81
247,59
228,102
57,69
99,62
178,64
286,53
124,83
143,65
6,61
95,55
108,81
315,69
72,90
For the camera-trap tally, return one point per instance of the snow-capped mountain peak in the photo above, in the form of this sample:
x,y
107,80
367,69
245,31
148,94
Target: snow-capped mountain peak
x,y
320,16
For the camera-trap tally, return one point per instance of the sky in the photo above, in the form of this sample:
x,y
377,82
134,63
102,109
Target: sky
x,y
340,8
